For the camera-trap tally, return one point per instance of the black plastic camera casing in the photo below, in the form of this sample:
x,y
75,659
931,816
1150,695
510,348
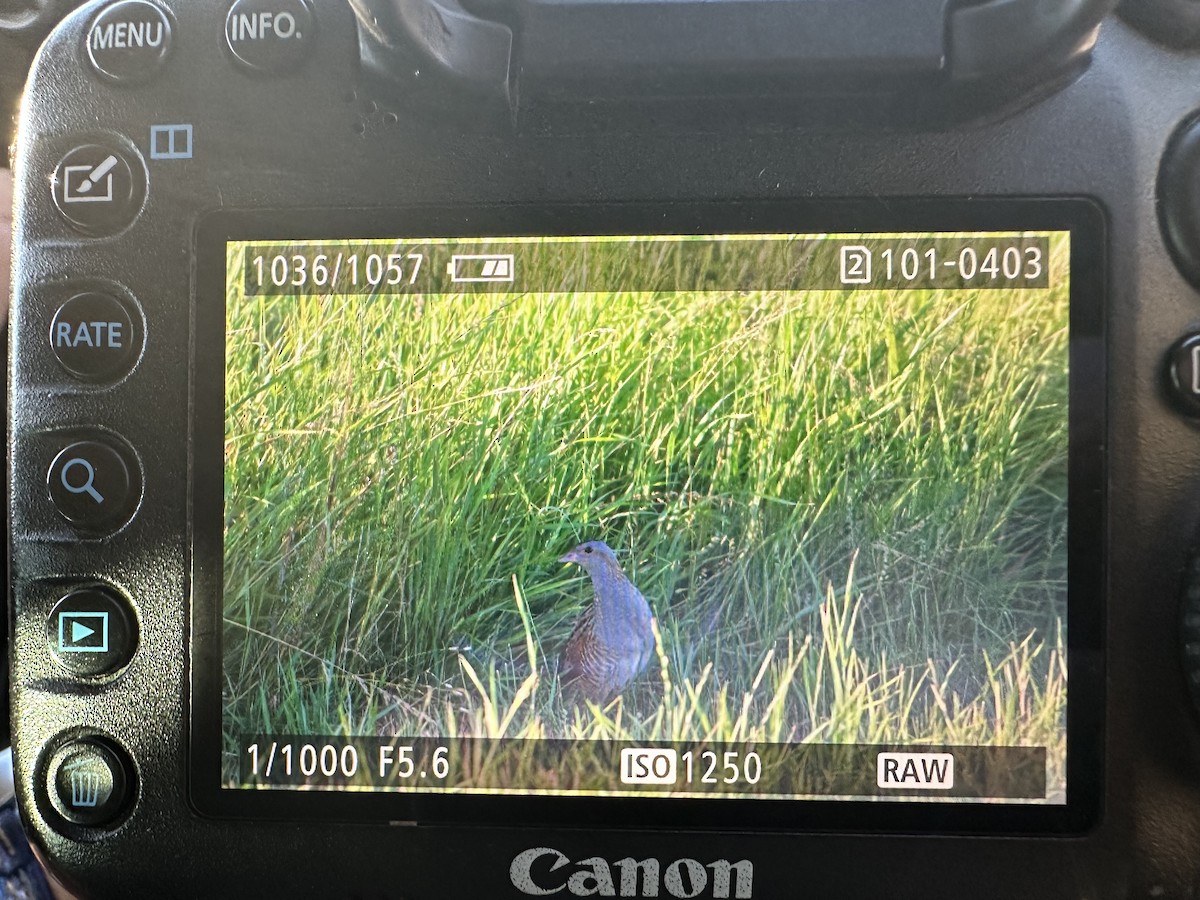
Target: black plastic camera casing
x,y
343,137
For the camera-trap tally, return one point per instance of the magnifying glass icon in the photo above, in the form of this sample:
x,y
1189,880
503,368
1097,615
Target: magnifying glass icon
x,y
89,478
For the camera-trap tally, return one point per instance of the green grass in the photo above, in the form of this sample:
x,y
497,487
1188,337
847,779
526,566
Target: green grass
x,y
847,510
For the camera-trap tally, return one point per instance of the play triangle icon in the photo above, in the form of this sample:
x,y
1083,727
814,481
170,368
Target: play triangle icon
x,y
80,631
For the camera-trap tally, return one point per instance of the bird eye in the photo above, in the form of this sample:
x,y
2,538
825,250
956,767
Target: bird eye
x,y
587,549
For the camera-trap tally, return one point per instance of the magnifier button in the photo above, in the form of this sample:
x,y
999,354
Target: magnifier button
x,y
92,485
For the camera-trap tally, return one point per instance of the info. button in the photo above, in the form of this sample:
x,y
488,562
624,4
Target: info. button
x,y
270,36
93,336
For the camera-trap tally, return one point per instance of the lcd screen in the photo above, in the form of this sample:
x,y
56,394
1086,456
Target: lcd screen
x,y
741,516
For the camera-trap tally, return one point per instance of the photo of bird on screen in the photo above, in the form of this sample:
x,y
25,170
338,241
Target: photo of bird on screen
x,y
654,492
613,639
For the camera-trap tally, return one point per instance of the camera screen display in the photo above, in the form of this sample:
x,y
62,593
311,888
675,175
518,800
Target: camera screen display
x,y
744,516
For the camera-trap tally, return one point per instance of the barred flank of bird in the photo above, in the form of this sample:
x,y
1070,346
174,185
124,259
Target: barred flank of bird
x,y
613,640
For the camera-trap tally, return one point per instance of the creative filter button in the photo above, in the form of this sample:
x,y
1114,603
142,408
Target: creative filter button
x,y
99,188
129,41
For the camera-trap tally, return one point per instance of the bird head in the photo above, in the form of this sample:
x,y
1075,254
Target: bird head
x,y
589,553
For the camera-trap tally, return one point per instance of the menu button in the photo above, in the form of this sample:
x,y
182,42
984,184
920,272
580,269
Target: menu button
x,y
129,40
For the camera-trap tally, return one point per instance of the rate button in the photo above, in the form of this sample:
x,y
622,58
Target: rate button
x,y
93,336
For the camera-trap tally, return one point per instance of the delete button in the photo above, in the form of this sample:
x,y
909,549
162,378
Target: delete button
x,y
93,337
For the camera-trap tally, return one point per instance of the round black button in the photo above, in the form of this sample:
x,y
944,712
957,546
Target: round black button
x,y
93,485
88,782
270,35
93,336
98,190
129,41
1183,374
92,632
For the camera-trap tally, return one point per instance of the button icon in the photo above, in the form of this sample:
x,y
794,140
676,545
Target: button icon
x,y
82,632
95,188
85,486
88,782
93,486
170,141
93,336
129,41
269,36
89,184
92,632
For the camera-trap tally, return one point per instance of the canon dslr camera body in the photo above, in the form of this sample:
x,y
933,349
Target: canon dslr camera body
x,y
538,448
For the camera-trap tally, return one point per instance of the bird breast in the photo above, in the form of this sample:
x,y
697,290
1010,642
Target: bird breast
x,y
622,621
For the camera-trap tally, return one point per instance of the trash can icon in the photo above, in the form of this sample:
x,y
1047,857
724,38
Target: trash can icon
x,y
87,784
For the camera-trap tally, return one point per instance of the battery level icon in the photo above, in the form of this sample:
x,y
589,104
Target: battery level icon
x,y
483,267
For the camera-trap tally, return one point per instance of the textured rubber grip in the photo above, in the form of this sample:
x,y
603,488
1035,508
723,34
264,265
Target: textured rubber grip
x,y
1190,629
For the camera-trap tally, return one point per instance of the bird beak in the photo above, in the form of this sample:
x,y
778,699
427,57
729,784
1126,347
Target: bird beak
x,y
568,557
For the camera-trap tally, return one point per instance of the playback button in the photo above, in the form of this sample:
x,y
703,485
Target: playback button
x,y
92,632
94,485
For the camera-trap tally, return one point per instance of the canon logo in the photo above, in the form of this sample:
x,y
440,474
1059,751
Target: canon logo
x,y
629,877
